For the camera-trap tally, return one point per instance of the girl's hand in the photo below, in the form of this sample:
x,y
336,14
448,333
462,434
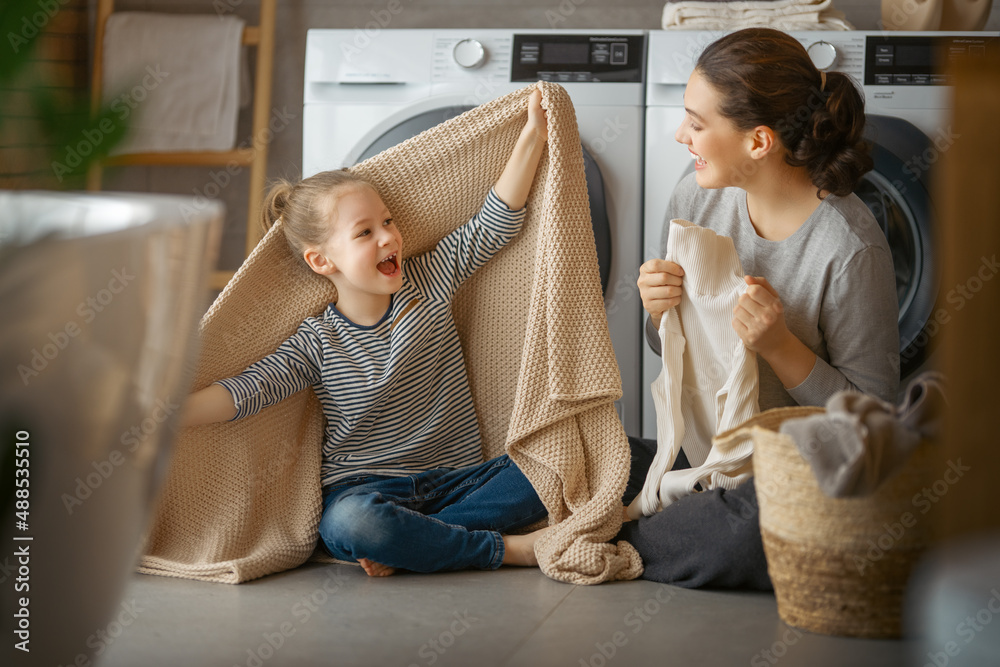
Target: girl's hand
x,y
515,182
659,287
538,123
760,318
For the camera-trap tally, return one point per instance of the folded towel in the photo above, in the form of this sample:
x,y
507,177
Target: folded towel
x,y
242,499
861,440
780,14
174,79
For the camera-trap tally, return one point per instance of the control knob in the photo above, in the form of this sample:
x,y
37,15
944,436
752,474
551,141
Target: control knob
x,y
469,53
823,54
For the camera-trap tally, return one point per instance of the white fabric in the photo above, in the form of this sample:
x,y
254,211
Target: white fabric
x,y
708,384
779,14
174,79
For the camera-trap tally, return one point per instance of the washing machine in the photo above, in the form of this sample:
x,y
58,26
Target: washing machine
x,y
906,101
367,91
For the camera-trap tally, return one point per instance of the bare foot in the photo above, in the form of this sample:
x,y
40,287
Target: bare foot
x,y
520,549
375,569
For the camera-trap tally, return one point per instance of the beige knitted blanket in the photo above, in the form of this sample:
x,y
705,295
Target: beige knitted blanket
x,y
242,499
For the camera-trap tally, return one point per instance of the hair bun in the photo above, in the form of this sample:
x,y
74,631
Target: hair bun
x,y
765,77
832,147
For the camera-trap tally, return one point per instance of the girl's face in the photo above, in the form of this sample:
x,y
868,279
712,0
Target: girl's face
x,y
365,247
721,152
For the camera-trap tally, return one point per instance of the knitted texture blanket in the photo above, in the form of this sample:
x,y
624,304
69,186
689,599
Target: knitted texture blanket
x,y
243,499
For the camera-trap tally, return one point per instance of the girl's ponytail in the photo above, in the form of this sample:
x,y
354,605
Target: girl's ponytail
x,y
275,203
307,207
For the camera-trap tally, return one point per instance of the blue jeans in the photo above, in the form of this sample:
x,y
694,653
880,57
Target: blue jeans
x,y
441,519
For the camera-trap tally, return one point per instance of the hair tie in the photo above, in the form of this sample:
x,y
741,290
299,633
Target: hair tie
x,y
822,81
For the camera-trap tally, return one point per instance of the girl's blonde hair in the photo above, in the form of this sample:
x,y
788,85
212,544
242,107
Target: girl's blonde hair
x,y
305,206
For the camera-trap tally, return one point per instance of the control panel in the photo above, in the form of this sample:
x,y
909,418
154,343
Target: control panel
x,y
578,58
920,60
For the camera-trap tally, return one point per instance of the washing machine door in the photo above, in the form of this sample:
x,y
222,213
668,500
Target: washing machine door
x,y
595,181
898,195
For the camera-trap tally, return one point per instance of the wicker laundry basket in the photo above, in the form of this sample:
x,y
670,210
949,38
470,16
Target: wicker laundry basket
x,y
839,566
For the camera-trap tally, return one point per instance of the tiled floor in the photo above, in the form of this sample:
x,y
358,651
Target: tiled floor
x,y
336,615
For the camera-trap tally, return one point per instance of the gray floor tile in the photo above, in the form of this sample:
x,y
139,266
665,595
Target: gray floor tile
x,y
336,615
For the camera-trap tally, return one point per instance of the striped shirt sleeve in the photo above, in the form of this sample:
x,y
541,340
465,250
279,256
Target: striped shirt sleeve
x,y
457,256
295,365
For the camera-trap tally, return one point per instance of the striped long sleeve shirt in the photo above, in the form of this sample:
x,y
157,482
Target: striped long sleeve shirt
x,y
395,394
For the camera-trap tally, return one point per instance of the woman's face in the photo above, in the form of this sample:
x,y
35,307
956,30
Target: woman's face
x,y
721,151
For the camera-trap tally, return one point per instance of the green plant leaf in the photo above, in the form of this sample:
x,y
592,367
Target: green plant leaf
x,y
19,32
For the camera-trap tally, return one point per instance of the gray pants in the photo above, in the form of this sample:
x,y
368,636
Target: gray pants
x,y
709,539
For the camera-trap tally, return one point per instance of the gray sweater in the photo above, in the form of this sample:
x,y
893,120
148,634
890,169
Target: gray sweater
x,y
836,282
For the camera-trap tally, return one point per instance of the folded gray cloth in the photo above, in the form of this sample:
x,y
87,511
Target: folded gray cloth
x,y
861,440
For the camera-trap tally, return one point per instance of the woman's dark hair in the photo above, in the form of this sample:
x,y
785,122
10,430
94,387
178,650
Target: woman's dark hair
x,y
765,77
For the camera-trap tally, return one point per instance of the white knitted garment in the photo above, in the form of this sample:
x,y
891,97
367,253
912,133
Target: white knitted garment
x,y
708,384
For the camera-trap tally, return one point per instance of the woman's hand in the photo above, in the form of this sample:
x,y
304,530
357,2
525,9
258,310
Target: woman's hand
x,y
659,287
759,317
759,321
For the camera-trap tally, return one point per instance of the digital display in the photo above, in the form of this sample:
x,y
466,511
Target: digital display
x,y
914,56
568,58
554,53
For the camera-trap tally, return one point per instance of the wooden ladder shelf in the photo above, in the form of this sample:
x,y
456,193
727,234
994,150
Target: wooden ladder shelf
x,y
260,36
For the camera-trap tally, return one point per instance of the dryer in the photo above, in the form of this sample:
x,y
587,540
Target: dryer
x,y
365,92
906,99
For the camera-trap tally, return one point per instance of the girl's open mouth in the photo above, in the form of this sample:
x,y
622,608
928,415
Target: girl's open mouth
x,y
389,266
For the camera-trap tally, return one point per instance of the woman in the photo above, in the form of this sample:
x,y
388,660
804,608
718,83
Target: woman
x,y
778,151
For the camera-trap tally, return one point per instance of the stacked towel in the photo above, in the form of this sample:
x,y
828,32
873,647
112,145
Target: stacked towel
x,y
780,14
243,499
174,79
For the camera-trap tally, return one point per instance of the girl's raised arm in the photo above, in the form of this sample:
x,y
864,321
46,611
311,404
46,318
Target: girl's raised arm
x,y
515,181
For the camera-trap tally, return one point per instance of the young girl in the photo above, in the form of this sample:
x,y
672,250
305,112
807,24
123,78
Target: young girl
x,y
778,151
403,486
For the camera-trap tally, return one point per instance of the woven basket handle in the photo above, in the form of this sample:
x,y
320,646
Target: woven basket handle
x,y
726,441
769,419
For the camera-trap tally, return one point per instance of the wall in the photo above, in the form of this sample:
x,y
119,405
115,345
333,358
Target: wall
x,y
296,16
60,59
